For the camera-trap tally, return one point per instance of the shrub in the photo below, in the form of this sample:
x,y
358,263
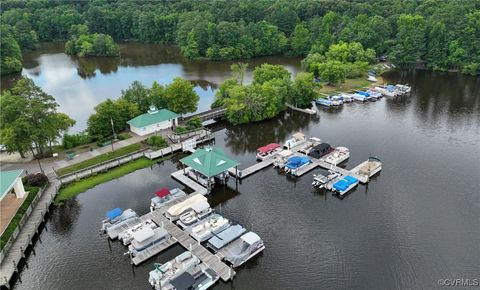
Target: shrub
x,y
74,140
194,123
123,136
180,129
157,142
35,179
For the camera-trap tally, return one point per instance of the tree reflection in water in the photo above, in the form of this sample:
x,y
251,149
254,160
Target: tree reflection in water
x,y
64,216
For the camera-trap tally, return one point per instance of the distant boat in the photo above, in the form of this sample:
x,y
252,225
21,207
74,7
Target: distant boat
x,y
127,236
347,97
296,162
339,155
164,196
337,100
160,277
225,237
295,140
371,78
198,212
146,238
405,89
200,279
243,249
324,102
212,225
174,212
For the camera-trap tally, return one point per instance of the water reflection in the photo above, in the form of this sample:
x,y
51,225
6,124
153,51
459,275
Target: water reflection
x,y
64,216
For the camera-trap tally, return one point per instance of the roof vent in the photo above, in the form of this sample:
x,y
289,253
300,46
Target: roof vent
x,y
152,110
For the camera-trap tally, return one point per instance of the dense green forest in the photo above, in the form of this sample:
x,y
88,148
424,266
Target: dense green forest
x,y
439,34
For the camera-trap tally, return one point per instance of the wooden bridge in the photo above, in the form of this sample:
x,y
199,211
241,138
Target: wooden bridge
x,y
208,115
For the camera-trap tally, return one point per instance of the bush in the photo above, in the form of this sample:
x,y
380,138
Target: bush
x,y
74,140
157,142
180,129
194,123
35,179
123,136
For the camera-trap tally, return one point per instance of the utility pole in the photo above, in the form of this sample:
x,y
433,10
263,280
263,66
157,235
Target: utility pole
x,y
114,135
39,164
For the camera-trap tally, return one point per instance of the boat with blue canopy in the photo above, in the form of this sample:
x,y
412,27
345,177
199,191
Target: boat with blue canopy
x,y
345,184
296,162
324,102
117,216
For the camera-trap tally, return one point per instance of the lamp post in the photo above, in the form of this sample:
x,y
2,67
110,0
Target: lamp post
x,y
113,130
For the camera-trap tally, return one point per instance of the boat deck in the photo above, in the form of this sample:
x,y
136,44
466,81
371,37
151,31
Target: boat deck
x,y
152,251
252,169
182,178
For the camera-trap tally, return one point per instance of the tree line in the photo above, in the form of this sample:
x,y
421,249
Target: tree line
x,y
441,34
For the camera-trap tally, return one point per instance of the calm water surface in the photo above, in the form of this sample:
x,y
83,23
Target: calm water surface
x,y
415,223
79,84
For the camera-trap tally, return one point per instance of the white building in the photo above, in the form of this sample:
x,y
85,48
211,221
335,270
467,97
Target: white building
x,y
11,182
152,121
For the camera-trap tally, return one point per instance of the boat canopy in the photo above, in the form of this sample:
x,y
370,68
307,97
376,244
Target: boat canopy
x,y
250,238
177,209
297,161
114,213
268,148
143,234
200,206
298,136
365,94
163,192
223,238
183,281
344,183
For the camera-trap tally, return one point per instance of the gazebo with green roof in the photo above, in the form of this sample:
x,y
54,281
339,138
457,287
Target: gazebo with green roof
x,y
11,181
210,162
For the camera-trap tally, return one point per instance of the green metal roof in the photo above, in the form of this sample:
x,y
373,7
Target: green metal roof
x,y
153,116
209,161
7,178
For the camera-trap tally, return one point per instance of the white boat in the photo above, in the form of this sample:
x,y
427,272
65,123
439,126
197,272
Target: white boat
x,y
339,155
295,140
116,217
359,97
212,225
386,91
369,168
174,212
199,211
337,100
146,238
243,249
345,184
160,277
281,158
347,98
405,89
313,141
267,151
372,79
164,196
321,181
127,236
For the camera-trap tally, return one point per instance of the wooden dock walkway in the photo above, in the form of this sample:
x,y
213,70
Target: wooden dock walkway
x,y
182,178
252,169
321,163
9,264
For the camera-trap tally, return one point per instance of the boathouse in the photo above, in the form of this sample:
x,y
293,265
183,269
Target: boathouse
x,y
208,165
11,183
152,121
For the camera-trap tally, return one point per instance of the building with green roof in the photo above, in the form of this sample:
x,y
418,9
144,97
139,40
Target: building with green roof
x,y
11,181
152,121
209,163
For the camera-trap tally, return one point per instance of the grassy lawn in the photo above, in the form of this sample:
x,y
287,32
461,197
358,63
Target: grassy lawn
x,y
83,185
18,216
99,159
348,85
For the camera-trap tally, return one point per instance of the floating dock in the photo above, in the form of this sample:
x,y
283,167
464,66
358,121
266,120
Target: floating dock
x,y
252,169
190,183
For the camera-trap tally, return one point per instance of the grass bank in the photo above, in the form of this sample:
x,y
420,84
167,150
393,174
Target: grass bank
x,y
348,85
83,185
32,192
99,159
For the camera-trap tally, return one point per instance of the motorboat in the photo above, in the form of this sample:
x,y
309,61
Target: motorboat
x,y
307,147
174,212
404,89
295,140
127,235
165,196
281,158
369,168
324,102
320,150
198,212
372,78
117,216
296,162
345,184
321,181
243,249
160,277
359,97
368,96
374,94
339,155
268,150
336,100
225,237
388,91
212,225
199,278
146,238
347,98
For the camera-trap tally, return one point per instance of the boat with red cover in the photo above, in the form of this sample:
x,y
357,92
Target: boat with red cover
x,y
164,196
268,150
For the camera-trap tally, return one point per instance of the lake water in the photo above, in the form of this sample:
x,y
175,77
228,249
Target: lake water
x,y
417,222
79,84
